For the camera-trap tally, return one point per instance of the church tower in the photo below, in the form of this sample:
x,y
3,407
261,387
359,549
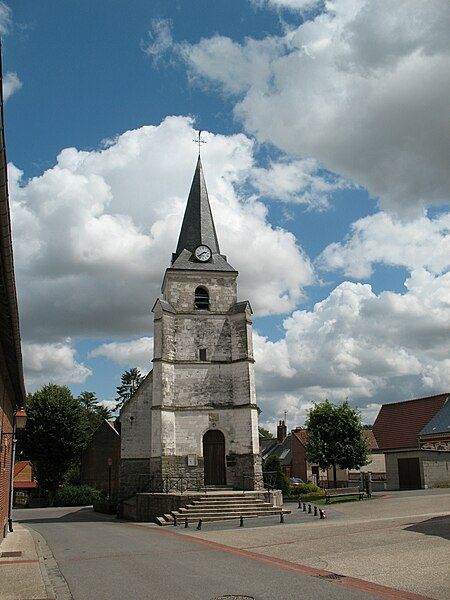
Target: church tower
x,y
199,402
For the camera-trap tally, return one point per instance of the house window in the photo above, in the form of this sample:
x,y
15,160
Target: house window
x,y
202,354
201,301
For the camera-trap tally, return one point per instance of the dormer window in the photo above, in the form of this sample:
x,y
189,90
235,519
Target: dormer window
x,y
201,300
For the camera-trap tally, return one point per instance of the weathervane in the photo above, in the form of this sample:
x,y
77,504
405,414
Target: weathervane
x,y
199,140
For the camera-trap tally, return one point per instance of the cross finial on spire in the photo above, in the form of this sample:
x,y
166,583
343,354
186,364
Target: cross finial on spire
x,y
199,140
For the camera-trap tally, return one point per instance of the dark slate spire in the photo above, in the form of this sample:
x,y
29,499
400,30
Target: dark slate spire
x,y
198,225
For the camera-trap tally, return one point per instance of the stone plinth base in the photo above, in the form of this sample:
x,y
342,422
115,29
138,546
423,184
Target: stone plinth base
x,y
147,506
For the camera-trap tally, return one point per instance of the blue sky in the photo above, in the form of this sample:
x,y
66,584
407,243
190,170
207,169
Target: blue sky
x,y
287,92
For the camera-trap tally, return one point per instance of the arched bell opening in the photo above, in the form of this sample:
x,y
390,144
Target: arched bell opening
x,y
201,299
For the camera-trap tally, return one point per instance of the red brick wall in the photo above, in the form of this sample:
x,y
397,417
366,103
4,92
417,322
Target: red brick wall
x,y
298,459
94,462
6,421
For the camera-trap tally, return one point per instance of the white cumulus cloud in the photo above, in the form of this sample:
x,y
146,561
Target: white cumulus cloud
x,y
11,83
379,238
52,363
363,88
362,346
134,353
94,233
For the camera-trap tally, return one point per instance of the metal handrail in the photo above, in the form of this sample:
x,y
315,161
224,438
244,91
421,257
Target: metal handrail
x,y
267,481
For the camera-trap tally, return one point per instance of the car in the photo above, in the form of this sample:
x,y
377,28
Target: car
x,y
295,482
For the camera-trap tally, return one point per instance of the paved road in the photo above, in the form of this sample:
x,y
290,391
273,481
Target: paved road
x,y
105,559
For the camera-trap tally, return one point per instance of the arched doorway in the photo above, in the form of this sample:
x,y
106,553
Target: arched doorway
x,y
214,457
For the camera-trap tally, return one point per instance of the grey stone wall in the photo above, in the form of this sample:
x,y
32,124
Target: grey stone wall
x,y
185,397
179,289
436,469
134,477
135,419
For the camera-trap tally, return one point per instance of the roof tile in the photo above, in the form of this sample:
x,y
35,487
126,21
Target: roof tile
x,y
399,424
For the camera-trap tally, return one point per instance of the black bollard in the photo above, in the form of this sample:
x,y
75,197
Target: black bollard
x,y
299,503
175,523
304,507
241,521
199,526
186,523
323,514
315,511
281,517
309,509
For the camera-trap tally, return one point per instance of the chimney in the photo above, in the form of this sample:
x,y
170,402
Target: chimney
x,y
281,431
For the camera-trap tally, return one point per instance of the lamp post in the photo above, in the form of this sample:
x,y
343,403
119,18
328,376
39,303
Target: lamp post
x,y
19,422
110,462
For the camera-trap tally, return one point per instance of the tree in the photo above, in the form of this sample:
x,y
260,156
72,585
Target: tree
x,y
272,464
265,433
131,380
336,437
54,434
94,412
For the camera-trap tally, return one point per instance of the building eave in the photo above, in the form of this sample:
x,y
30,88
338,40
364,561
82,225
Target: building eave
x,y
9,314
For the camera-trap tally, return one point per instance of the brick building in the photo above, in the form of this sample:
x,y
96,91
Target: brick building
x,y
12,393
414,435
25,485
100,460
291,450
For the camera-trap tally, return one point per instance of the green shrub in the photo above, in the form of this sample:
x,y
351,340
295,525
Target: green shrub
x,y
74,495
101,503
306,488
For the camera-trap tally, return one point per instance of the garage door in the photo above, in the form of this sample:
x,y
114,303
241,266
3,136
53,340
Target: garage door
x,y
409,474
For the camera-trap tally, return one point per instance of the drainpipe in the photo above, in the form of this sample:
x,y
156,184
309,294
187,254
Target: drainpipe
x,y
11,488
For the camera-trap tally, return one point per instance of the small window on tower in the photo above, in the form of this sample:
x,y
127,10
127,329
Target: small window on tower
x,y
202,354
201,300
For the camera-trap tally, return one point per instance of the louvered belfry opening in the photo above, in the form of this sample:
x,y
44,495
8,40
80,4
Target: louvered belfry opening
x,y
201,299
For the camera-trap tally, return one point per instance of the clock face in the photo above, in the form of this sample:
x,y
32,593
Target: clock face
x,y
202,253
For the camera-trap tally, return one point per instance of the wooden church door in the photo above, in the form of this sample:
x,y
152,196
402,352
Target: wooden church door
x,y
214,457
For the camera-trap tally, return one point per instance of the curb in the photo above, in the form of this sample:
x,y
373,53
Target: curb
x,y
55,584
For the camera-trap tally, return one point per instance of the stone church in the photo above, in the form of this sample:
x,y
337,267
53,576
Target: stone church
x,y
195,414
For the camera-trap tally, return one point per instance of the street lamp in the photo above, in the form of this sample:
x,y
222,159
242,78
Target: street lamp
x,y
110,462
19,422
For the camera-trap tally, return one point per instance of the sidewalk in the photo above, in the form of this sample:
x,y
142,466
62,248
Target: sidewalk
x,y
23,575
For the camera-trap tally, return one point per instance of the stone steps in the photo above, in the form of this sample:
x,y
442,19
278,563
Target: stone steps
x,y
194,521
221,508
231,509
232,503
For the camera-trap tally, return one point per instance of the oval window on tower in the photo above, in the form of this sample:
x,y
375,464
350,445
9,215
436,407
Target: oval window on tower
x,y
201,301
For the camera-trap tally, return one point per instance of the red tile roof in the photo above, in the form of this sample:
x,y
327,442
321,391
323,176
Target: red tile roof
x,y
27,485
372,440
302,435
20,466
398,424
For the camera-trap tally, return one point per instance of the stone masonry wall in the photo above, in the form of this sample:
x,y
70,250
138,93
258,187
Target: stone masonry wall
x,y
179,290
135,418
436,469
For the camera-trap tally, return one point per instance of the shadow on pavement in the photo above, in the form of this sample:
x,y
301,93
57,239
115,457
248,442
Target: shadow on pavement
x,y
86,514
437,526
